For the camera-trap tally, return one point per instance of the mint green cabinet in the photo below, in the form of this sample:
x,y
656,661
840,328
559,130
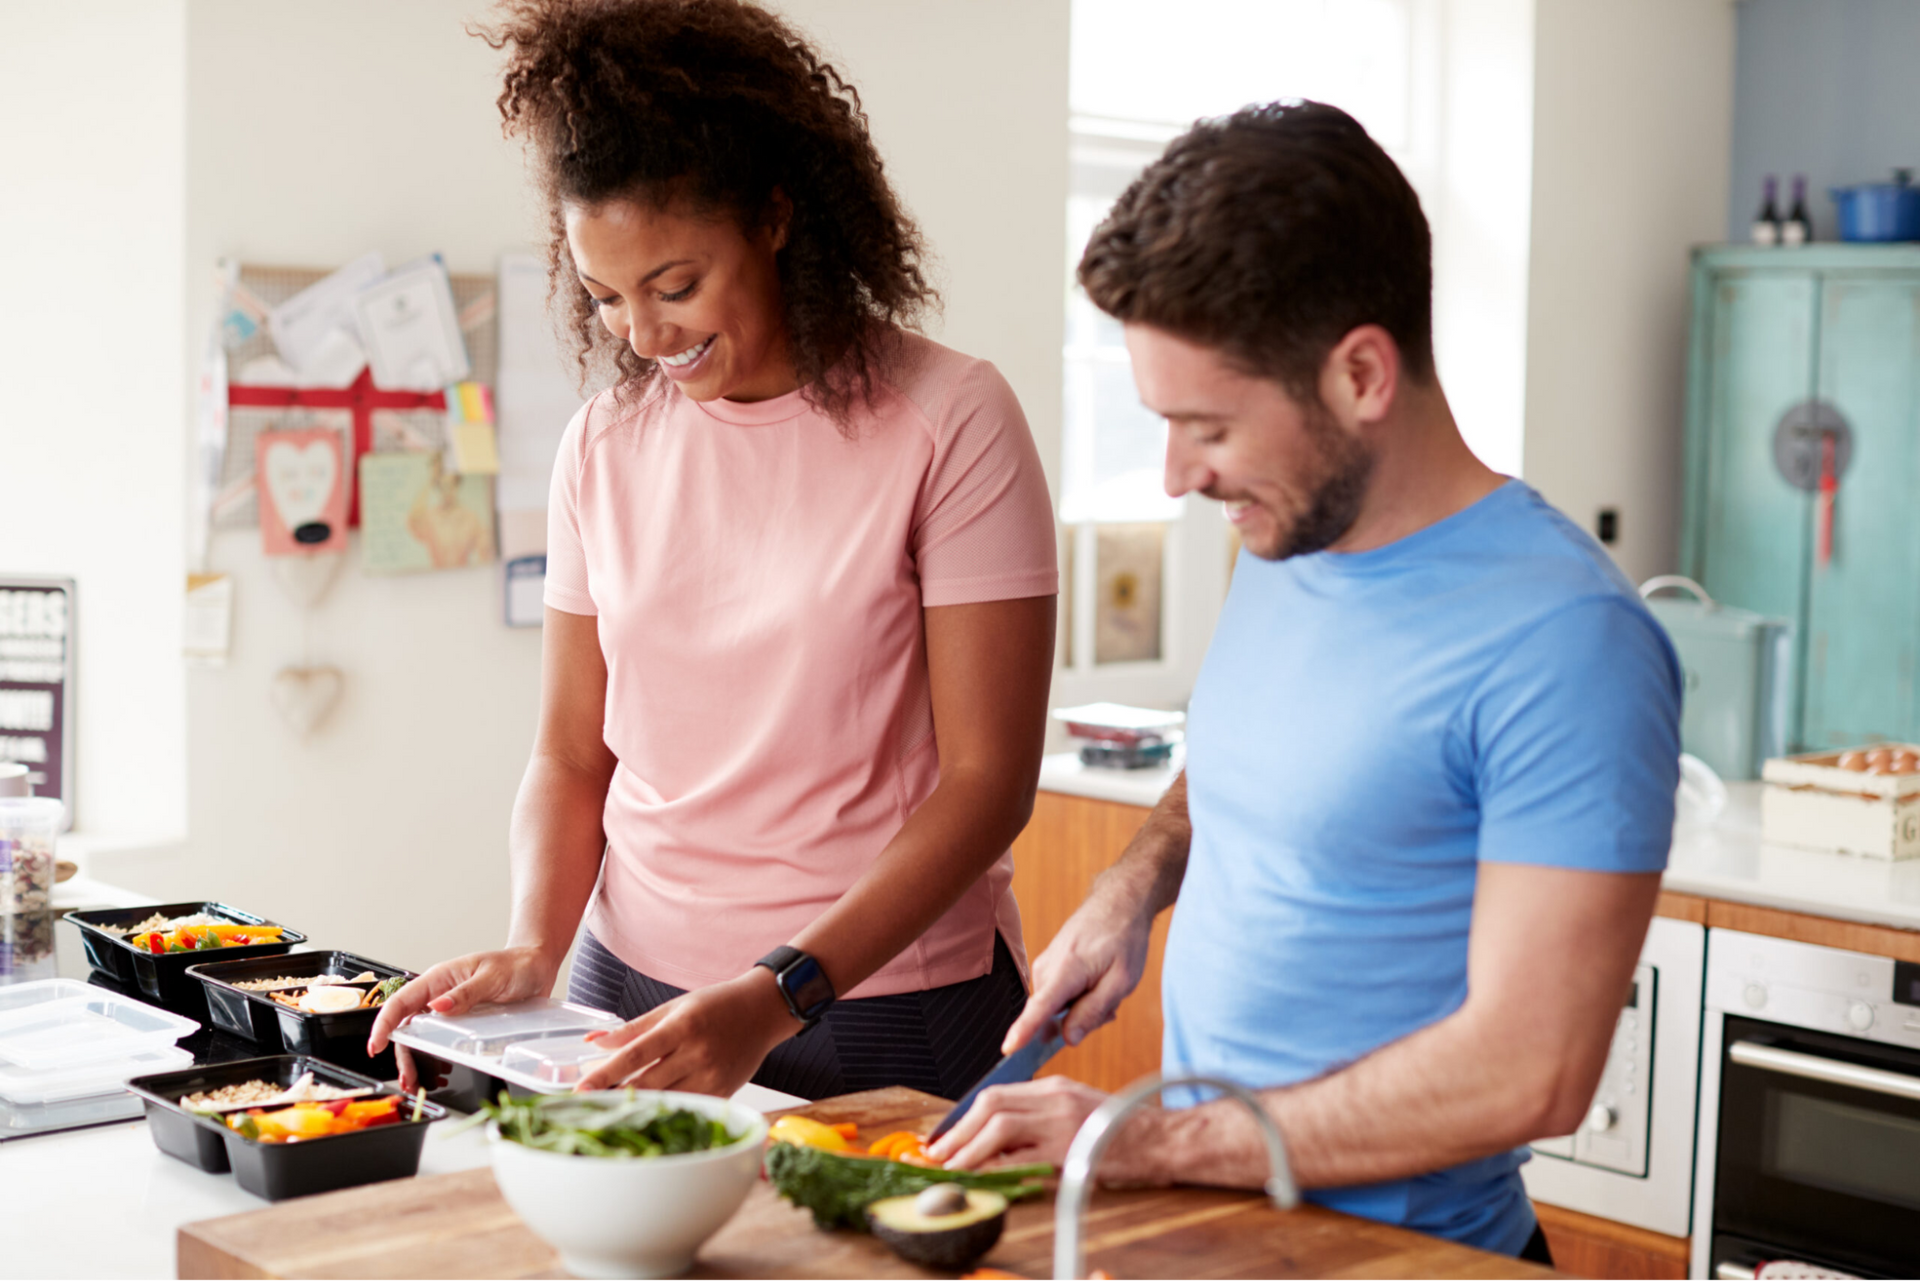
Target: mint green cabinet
x,y
1832,330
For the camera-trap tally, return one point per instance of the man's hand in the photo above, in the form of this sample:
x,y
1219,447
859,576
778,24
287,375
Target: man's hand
x,y
1036,1121
709,1041
1093,964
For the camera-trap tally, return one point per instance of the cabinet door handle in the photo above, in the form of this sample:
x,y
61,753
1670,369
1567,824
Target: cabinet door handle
x,y
1768,1058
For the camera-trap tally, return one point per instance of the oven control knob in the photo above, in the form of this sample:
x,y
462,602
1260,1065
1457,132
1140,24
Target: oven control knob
x,y
1601,1118
1859,1016
1755,995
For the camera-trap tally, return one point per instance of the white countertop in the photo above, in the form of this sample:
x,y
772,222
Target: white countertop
x,y
1063,772
1730,861
1726,861
107,1202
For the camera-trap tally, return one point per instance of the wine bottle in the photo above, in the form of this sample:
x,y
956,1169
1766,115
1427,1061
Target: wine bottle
x,y
1798,228
1766,223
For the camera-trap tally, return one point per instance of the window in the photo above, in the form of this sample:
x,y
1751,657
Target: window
x,y
1146,573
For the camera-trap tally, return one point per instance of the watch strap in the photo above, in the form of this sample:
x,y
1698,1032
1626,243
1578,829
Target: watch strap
x,y
803,984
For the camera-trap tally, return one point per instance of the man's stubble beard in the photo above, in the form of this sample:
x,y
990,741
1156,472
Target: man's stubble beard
x,y
1344,466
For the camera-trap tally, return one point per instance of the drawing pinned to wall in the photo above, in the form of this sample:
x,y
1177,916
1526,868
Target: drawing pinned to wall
x,y
302,486
419,515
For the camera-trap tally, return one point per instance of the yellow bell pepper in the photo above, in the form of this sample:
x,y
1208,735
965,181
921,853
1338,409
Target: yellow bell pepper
x,y
806,1132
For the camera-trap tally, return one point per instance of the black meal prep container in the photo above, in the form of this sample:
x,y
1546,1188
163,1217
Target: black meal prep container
x,y
277,1171
162,977
337,1038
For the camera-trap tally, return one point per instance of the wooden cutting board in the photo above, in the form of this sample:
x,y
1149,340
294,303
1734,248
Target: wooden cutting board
x,y
457,1225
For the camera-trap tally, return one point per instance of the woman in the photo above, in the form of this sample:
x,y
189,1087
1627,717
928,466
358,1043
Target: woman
x,y
795,548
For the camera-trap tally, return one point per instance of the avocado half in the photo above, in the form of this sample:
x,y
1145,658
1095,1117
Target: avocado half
x,y
938,1229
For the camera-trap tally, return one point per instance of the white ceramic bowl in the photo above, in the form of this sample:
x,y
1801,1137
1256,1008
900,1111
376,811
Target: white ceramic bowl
x,y
633,1218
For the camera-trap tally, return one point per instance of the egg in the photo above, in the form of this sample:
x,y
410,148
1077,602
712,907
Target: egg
x,y
330,1000
1906,763
1856,761
1880,756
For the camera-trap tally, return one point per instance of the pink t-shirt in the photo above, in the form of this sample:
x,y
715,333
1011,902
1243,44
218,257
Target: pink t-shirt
x,y
759,579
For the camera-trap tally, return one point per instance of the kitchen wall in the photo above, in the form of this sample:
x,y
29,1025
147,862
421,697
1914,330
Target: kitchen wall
x,y
1631,129
1823,89
316,131
91,376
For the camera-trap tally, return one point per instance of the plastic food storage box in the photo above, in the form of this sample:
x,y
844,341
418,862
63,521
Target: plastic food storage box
x,y
62,1040
537,1045
163,976
337,1038
277,1171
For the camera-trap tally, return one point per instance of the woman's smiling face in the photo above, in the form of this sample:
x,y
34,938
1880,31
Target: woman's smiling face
x,y
695,294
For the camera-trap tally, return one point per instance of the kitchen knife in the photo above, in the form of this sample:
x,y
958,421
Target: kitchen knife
x,y
1018,1066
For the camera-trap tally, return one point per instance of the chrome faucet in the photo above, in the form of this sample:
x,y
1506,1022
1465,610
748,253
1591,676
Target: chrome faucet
x,y
1076,1178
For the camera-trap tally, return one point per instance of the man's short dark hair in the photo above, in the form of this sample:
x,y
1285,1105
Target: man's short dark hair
x,y
1270,235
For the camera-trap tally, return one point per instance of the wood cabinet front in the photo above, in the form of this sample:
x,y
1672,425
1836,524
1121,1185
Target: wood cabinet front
x,y
1071,840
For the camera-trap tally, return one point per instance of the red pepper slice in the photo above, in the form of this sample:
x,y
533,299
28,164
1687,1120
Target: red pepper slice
x,y
238,940
157,944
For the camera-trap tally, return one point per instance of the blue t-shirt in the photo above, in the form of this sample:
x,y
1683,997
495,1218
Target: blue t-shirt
x,y
1367,728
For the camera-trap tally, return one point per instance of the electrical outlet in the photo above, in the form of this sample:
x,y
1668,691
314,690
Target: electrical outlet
x,y
1606,527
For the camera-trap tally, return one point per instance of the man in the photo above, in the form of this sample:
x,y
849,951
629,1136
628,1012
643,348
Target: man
x,y
1432,750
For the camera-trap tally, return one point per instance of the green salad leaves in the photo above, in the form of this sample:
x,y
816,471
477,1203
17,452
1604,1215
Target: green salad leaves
x,y
839,1188
620,1129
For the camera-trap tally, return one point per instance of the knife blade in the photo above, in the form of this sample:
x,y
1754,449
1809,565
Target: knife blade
x,y
1018,1066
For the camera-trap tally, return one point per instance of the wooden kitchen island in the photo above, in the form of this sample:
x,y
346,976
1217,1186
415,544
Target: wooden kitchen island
x,y
457,1225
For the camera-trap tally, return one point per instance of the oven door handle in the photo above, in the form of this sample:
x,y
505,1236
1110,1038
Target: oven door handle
x,y
1769,1058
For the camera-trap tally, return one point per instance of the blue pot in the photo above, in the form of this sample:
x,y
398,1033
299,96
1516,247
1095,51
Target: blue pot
x,y
1879,211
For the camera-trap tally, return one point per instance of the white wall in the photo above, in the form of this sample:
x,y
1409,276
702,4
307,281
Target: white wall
x,y
968,102
92,380
1633,103
319,130
1476,200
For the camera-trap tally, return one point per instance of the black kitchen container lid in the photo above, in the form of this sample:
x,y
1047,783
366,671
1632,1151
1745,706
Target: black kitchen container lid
x,y
277,1171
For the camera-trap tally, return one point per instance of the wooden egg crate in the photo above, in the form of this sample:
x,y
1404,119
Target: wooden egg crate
x,y
1863,800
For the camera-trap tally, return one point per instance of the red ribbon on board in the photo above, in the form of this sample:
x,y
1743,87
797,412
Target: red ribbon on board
x,y
360,396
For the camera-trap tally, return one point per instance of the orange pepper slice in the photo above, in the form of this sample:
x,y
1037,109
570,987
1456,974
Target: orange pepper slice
x,y
848,1130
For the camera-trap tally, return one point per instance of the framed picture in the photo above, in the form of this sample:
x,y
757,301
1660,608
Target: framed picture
x,y
37,630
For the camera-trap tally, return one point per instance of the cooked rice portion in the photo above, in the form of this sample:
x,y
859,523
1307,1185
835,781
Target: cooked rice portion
x,y
168,923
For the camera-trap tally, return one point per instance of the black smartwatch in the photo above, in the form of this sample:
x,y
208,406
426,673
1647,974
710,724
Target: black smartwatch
x,y
804,986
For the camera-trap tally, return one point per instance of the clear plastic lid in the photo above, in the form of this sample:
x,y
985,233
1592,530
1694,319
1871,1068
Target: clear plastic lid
x,y
556,1060
104,1076
60,1023
489,1029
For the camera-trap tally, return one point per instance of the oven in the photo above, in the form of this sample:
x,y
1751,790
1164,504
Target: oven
x,y
1809,1143
1631,1160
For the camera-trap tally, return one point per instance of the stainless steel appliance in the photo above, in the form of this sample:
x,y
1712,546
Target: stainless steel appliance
x,y
1632,1160
1809,1144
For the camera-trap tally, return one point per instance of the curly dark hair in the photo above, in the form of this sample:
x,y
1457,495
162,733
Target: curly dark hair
x,y
1271,234
720,104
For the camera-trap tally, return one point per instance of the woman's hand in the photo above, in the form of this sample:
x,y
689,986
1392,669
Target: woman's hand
x,y
452,987
709,1041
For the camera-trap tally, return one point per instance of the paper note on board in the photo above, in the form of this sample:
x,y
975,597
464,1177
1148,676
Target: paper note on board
x,y
409,327
415,514
535,398
314,331
207,624
301,479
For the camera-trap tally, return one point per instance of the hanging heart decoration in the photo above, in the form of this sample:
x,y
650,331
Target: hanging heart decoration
x,y
304,695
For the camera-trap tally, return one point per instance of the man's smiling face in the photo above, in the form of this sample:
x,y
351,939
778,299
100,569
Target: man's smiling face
x,y
1291,478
